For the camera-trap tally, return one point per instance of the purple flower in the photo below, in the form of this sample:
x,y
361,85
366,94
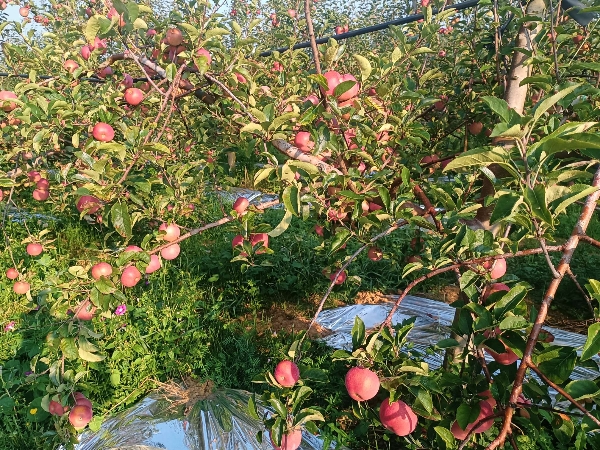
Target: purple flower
x,y
121,309
28,373
10,326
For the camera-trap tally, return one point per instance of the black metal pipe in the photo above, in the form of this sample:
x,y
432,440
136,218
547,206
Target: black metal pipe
x,y
372,28
92,79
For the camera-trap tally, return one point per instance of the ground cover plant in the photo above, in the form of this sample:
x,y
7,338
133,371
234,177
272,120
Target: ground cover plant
x,y
460,148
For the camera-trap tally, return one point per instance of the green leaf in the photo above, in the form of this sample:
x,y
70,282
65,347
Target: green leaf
x,y
446,436
91,28
536,199
291,200
278,406
358,333
546,104
299,396
447,343
365,66
252,412
514,323
343,87
510,300
341,236
466,414
69,348
580,389
562,206
556,362
133,10
306,415
252,128
506,206
236,27
480,157
283,225
426,401
171,72
121,220
263,174
592,344
89,356
498,106
140,24
215,32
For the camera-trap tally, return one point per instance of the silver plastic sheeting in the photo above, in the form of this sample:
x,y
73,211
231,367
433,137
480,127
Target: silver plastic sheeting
x,y
433,321
254,197
218,422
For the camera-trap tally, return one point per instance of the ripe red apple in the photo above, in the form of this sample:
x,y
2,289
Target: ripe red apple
x,y
290,440
171,232
475,128
84,402
154,264
55,408
496,287
70,65
34,249
319,230
303,141
40,194
102,269
339,30
485,410
105,72
257,238
488,397
130,276
238,240
85,310
440,105
353,91
42,184
86,52
375,254
292,13
21,287
241,78
341,277
170,252
546,336
577,39
80,416
134,96
362,384
287,373
7,95
313,99
89,204
34,176
498,268
430,159
506,358
12,273
132,248
277,67
103,132
205,53
24,11
127,81
241,205
174,37
397,417
333,79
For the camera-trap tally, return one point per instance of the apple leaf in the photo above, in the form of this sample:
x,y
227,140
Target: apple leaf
x,y
358,333
291,200
466,414
556,362
92,27
283,225
580,389
446,436
365,66
120,219
546,104
343,87
536,199
592,344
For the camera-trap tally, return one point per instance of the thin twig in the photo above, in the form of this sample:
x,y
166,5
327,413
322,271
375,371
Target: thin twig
x,y
230,94
311,35
588,300
562,392
585,238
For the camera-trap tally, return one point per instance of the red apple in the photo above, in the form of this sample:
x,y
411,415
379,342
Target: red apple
x,y
34,249
105,72
241,205
488,397
21,287
40,194
127,81
80,416
397,417
333,79
287,373
577,39
130,276
277,67
352,92
303,141
103,132
362,384
341,277
154,264
290,440
134,96
496,287
319,230
262,238
85,310
102,269
34,176
132,248
313,99
506,358
89,204
70,65
7,95
12,273
171,232
174,37
498,268
205,53
475,128
55,408
241,78
24,11
170,252
375,254
42,184
86,52
238,240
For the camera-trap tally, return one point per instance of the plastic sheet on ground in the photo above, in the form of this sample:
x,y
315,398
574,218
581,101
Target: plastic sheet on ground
x,y
218,422
254,197
433,320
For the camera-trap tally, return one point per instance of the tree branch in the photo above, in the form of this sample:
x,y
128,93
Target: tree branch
x,y
311,35
292,152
